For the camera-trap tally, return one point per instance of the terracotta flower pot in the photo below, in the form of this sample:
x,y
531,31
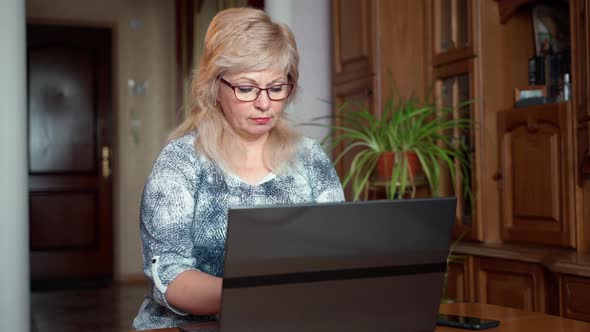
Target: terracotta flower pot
x,y
387,159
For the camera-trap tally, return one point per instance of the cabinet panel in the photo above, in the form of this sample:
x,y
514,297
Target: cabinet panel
x,y
352,32
575,298
537,183
459,286
509,283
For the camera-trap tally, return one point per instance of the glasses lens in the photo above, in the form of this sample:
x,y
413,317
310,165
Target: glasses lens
x,y
279,92
246,93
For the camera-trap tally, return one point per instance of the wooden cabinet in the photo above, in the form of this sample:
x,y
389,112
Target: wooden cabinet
x,y
536,177
530,166
510,283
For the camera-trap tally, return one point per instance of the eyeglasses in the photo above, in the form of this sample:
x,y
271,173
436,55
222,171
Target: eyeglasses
x,y
250,93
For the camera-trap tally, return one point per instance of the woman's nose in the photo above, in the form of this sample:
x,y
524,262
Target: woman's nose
x,y
263,101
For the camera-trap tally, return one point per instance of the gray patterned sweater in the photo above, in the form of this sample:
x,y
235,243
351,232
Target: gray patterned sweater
x,y
184,214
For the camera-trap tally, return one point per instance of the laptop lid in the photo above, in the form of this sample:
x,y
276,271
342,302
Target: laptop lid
x,y
351,266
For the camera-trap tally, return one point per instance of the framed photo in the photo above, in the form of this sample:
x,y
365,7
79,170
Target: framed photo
x,y
551,27
533,91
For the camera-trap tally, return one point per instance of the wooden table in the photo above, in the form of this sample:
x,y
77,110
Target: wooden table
x,y
511,320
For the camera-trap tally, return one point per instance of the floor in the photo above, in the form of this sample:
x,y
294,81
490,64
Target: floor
x,y
104,309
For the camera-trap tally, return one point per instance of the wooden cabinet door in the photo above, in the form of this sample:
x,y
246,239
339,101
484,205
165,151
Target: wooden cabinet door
x,y
509,283
536,171
353,29
459,279
575,297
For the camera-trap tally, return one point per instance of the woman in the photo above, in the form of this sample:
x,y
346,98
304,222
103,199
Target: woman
x,y
234,149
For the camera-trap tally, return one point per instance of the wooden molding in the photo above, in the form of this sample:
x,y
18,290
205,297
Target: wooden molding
x,y
556,260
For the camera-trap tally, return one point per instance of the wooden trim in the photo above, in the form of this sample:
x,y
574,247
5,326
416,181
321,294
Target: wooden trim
x,y
453,55
454,69
556,260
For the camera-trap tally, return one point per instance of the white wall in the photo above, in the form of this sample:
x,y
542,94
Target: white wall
x,y
310,22
14,236
144,50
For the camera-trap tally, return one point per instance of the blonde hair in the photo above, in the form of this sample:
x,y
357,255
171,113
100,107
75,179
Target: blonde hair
x,y
240,40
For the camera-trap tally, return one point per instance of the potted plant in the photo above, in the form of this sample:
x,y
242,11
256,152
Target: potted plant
x,y
410,137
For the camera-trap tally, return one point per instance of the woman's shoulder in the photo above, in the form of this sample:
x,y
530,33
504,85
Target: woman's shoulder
x,y
307,146
185,143
185,140
181,148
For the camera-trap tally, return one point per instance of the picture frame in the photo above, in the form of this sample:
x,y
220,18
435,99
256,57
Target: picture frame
x,y
531,91
551,28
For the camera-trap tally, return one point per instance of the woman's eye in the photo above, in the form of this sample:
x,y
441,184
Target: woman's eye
x,y
245,89
276,88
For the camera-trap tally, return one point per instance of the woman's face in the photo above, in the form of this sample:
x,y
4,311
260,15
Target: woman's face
x,y
251,119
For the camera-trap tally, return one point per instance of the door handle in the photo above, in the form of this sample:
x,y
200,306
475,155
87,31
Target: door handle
x,y
106,162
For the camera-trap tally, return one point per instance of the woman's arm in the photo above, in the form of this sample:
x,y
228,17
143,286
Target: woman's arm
x,y
167,233
195,292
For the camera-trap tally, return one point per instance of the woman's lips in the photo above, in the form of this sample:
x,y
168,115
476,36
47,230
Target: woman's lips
x,y
261,120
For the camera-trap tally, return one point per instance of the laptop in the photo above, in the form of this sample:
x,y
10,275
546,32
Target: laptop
x,y
350,266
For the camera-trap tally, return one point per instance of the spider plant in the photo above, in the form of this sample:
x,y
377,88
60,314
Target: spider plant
x,y
405,126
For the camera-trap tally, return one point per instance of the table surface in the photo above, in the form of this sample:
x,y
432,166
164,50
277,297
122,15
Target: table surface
x,y
511,320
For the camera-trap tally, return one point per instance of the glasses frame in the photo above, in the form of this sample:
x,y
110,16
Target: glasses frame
x,y
233,87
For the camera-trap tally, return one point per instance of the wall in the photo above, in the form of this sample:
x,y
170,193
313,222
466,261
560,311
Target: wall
x,y
143,47
14,237
310,22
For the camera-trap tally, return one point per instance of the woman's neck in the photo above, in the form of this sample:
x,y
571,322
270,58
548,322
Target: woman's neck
x,y
250,165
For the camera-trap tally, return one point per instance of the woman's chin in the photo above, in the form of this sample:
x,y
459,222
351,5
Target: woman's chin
x,y
257,131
